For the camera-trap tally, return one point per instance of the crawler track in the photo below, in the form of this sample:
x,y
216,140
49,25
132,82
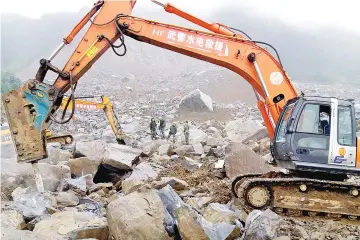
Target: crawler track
x,y
294,196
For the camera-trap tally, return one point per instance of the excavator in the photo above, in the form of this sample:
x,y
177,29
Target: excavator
x,y
313,138
105,105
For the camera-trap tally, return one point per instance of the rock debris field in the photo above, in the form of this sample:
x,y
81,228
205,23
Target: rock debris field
x,y
151,189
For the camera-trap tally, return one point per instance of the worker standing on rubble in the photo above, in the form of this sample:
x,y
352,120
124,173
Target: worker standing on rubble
x,y
153,128
186,132
172,131
162,125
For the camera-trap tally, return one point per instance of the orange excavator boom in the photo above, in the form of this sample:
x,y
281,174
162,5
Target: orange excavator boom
x,y
264,72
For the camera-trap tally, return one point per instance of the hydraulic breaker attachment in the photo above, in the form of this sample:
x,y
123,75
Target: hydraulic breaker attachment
x,y
27,110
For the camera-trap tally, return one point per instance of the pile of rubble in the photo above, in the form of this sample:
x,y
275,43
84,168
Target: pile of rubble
x,y
158,190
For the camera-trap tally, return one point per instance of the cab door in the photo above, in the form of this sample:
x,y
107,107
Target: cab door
x,y
343,139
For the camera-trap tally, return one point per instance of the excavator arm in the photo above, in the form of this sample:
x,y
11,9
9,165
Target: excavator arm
x,y
106,106
33,105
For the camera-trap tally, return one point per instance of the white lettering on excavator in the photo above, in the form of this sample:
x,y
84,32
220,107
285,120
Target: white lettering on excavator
x,y
171,35
194,41
181,37
157,32
200,41
190,39
209,44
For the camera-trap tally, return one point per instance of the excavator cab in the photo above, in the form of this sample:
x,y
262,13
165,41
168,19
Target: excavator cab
x,y
317,134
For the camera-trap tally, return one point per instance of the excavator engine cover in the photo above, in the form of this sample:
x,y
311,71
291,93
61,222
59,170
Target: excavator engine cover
x,y
27,110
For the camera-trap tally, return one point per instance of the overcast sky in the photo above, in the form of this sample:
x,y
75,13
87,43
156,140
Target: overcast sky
x,y
343,13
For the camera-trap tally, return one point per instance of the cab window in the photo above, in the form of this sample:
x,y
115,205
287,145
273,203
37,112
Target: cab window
x,y
280,135
314,119
345,126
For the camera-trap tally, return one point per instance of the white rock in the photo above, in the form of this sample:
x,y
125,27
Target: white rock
x,y
238,130
70,222
83,166
67,199
120,156
143,172
191,164
198,148
196,101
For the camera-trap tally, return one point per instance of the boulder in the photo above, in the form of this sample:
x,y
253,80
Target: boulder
x,y
131,185
165,149
214,142
198,202
149,148
174,182
188,225
240,159
264,146
56,155
120,157
218,152
13,234
214,132
51,176
143,172
12,219
31,203
253,145
92,150
79,185
83,166
198,148
139,215
70,223
258,135
184,149
196,101
216,213
261,225
196,136
67,199
238,130
190,164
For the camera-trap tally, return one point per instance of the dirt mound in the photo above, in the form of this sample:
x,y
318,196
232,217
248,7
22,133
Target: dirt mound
x,y
204,179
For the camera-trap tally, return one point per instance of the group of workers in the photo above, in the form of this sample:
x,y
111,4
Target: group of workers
x,y
161,124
